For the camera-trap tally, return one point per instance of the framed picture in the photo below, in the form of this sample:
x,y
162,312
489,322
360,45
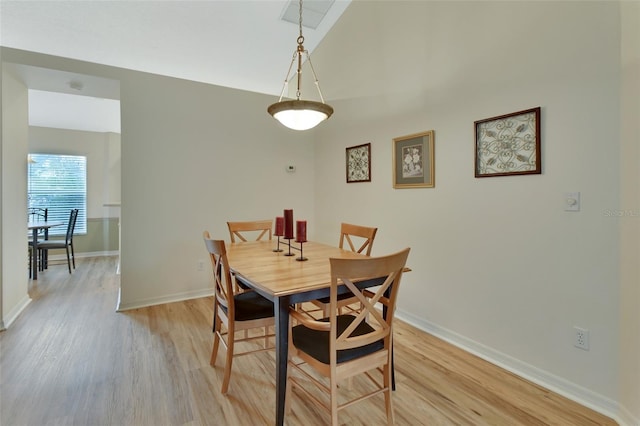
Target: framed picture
x,y
413,161
359,163
509,144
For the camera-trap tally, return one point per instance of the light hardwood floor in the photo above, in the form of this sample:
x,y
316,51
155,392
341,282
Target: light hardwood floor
x,y
70,359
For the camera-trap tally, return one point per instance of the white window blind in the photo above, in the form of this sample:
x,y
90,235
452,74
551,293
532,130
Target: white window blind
x,y
59,184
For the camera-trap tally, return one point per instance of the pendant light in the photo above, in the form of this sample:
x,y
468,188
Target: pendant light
x,y
300,114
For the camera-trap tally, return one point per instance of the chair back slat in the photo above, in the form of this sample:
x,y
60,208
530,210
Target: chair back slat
x,y
241,230
222,277
364,237
349,272
71,226
38,214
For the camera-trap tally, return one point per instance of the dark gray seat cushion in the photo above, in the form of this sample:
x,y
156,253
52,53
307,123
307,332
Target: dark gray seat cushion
x,y
250,305
316,343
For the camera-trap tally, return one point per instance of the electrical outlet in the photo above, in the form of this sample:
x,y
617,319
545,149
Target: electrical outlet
x,y
200,265
581,338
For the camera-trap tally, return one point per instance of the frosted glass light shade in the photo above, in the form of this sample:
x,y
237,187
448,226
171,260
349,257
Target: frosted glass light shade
x,y
300,115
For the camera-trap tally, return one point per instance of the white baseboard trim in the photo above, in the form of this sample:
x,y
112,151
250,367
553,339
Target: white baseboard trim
x,y
13,314
626,418
177,297
63,256
557,384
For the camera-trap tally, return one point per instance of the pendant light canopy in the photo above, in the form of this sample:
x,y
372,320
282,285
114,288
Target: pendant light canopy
x,y
300,114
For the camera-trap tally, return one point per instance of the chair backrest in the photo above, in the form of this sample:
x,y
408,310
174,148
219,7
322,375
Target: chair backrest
x,y
388,269
240,229
37,214
71,226
221,274
365,236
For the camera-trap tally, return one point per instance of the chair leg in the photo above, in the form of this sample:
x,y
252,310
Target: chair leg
x,y
68,259
73,256
334,402
216,339
229,361
388,401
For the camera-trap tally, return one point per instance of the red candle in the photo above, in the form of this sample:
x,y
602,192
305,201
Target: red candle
x,y
301,231
279,226
288,224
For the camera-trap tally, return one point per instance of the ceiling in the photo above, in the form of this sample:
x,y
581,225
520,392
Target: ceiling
x,y
242,44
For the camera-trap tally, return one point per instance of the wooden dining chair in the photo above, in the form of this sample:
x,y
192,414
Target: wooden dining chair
x,y
249,229
66,244
358,239
343,346
235,309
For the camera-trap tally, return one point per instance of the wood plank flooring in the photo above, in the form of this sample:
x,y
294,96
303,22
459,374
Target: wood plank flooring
x,y
70,359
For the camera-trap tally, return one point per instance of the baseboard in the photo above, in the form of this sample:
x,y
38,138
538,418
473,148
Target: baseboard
x,y
13,314
557,384
176,297
63,257
627,419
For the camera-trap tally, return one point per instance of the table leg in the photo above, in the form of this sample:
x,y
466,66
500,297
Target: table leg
x,y
281,307
34,260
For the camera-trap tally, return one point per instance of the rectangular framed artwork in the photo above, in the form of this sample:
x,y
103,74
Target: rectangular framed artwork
x,y
359,163
508,144
413,161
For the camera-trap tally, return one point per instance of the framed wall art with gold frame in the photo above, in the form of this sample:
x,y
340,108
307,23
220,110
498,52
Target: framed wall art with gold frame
x,y
359,163
413,161
509,144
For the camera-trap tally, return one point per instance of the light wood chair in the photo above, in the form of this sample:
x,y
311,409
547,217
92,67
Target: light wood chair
x,y
235,309
360,240
344,346
242,230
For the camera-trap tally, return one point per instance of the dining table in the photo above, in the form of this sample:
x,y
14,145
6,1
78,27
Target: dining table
x,y
35,228
285,279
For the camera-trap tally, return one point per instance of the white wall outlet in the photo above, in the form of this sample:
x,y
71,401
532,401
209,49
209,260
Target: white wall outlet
x,y
572,201
581,338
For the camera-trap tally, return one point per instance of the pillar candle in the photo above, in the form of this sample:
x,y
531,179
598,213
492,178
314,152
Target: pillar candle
x,y
279,226
288,224
301,231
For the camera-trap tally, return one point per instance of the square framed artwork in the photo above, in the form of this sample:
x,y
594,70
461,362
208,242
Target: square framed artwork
x,y
413,161
508,144
359,163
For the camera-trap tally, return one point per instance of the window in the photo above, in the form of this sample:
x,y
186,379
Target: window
x,y
59,183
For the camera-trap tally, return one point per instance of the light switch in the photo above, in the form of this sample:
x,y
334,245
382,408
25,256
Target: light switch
x,y
572,201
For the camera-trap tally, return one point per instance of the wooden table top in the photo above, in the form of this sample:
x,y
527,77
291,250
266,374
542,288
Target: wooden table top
x,y
280,275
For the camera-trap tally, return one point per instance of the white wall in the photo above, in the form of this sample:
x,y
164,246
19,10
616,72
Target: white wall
x,y
193,157
13,219
630,206
498,266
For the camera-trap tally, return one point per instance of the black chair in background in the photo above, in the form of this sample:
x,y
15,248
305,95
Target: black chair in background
x,y
37,214
66,244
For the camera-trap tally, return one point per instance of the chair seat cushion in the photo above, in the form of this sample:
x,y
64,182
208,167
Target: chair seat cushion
x,y
52,244
316,343
250,305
